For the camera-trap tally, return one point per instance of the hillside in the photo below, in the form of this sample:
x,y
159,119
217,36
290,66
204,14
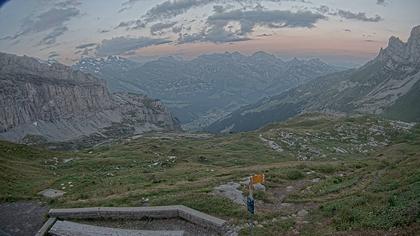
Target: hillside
x,y
50,102
387,85
342,187
206,88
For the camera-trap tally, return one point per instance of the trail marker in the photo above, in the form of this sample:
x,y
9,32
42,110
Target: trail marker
x,y
257,179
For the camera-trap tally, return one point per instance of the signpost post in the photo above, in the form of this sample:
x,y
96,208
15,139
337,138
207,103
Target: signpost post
x,y
251,208
250,202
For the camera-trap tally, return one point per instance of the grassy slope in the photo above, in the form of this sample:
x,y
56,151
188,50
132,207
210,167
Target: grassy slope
x,y
379,190
407,107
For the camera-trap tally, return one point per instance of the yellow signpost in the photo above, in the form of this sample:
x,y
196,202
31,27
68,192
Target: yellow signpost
x,y
257,179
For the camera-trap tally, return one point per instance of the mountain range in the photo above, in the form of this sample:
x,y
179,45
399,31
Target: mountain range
x,y
202,90
389,86
51,102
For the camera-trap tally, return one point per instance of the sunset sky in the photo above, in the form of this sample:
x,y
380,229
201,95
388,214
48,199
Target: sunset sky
x,y
341,32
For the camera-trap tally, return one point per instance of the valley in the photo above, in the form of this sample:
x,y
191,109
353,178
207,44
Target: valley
x,y
202,90
385,86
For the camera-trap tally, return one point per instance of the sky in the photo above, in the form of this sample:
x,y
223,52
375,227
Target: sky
x,y
340,32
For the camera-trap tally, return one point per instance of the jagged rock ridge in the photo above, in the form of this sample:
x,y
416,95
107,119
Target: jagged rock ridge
x,y
389,85
58,103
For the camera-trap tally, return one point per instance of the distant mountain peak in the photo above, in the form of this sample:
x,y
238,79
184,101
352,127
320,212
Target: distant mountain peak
x,y
261,55
317,61
399,52
415,32
295,61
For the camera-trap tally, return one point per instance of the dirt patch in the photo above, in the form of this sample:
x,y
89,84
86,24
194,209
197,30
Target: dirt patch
x,y
22,218
289,210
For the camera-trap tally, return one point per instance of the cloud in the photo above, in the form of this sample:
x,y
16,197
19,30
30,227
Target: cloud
x,y
218,9
381,2
361,16
222,8
273,19
215,34
130,25
53,35
159,27
358,16
121,45
86,51
127,5
53,55
68,3
323,9
130,2
170,8
103,31
86,45
52,19
220,30
177,29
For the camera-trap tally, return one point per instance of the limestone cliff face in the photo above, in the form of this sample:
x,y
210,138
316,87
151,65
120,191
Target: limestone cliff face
x,y
399,53
59,104
398,71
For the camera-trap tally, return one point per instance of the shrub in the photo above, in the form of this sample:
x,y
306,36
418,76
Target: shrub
x,y
294,174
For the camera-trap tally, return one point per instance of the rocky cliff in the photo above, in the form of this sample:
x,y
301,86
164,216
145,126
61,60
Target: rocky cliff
x,y
57,103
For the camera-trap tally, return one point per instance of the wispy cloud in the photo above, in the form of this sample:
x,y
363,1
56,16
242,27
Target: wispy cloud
x,y
272,19
159,27
122,45
86,45
51,38
53,55
52,20
358,16
68,3
381,2
218,24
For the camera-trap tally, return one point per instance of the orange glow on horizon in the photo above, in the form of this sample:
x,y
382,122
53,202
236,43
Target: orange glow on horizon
x,y
297,45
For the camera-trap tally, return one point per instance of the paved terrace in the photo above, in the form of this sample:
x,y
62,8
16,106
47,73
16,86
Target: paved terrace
x,y
164,220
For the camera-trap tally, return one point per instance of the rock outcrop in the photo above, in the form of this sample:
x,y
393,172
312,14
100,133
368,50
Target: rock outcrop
x,y
399,52
57,103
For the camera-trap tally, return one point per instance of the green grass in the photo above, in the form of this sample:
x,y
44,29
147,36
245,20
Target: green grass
x,y
376,191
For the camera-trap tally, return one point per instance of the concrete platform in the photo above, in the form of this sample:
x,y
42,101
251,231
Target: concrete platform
x,y
96,216
68,228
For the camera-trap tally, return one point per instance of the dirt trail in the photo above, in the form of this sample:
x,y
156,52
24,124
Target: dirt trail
x,y
280,193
